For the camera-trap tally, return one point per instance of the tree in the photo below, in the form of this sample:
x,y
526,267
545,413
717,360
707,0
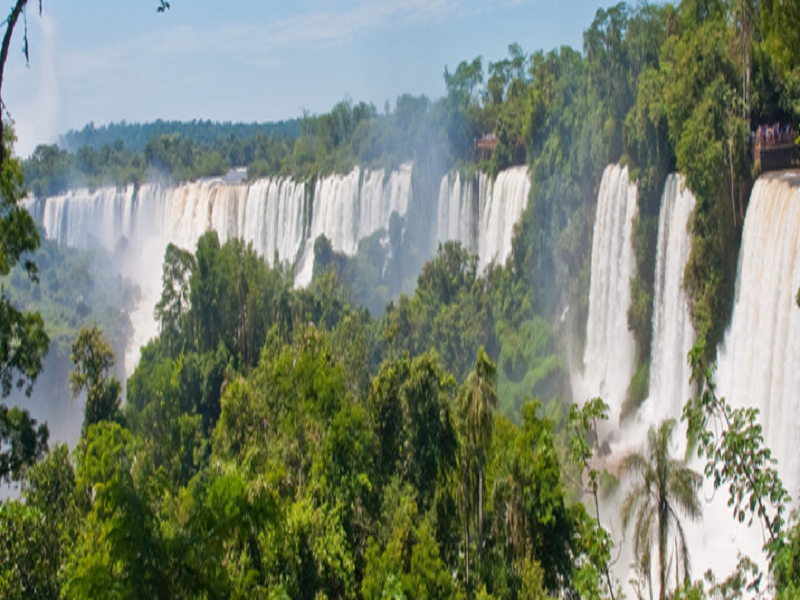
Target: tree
x,y
531,520
94,358
663,486
583,423
429,440
23,341
477,399
50,495
23,443
27,566
207,285
119,551
174,302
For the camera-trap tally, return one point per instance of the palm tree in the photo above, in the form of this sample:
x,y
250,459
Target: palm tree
x,y
663,486
477,399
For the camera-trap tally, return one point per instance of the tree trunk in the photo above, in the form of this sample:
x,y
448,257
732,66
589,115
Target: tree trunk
x,y
608,573
733,201
662,550
466,536
480,506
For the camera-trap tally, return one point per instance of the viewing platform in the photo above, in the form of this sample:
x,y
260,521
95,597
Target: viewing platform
x,y
775,148
485,146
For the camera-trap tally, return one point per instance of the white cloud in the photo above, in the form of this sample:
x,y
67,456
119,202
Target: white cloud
x,y
260,43
331,27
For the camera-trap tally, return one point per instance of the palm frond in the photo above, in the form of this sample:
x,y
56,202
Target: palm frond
x,y
683,547
643,529
632,499
683,486
634,464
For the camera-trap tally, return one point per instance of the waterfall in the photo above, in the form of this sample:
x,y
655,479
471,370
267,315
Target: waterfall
x,y
457,210
717,538
759,359
276,215
481,214
609,357
348,208
673,334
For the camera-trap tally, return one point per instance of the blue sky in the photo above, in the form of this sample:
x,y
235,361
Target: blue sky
x,y
237,60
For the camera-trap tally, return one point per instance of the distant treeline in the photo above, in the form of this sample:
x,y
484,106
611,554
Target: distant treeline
x,y
438,134
136,136
350,134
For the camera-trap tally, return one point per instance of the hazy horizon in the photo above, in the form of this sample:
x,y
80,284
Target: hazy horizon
x,y
256,63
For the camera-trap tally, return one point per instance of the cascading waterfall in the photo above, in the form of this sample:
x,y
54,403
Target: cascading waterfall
x,y
458,208
275,215
609,356
348,208
759,360
673,334
481,214
268,213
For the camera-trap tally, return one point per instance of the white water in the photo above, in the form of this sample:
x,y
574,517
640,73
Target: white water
x,y
609,357
481,214
673,334
758,364
348,208
275,215
759,360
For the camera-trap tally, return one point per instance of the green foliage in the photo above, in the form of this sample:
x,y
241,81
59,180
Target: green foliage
x,y
350,134
529,511
731,442
451,311
401,571
94,360
786,564
51,492
477,401
174,302
75,288
701,92
172,436
744,582
28,561
531,363
23,341
780,37
638,390
596,542
23,443
119,551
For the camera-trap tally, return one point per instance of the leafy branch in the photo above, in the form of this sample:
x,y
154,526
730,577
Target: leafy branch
x,y
583,423
731,441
